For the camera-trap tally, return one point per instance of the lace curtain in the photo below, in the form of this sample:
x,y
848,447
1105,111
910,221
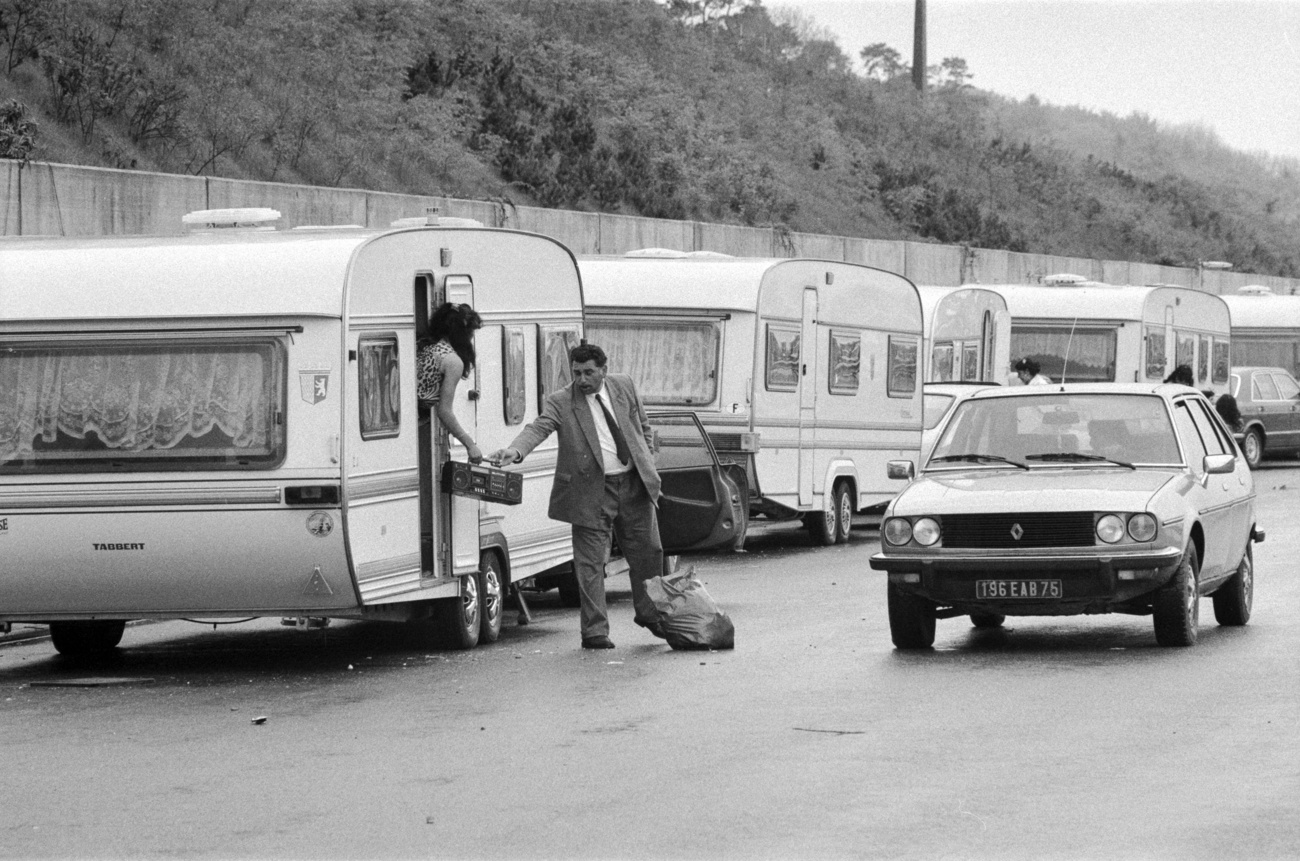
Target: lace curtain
x,y
136,399
671,363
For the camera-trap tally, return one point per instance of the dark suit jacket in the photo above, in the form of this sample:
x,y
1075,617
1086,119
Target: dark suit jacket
x,y
579,470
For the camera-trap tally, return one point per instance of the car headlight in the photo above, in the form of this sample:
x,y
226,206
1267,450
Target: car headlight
x,y
1142,527
1110,529
898,530
925,531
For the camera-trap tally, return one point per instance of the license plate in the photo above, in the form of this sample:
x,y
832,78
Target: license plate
x,y
1017,589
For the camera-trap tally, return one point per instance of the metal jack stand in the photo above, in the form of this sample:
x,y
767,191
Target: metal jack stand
x,y
525,617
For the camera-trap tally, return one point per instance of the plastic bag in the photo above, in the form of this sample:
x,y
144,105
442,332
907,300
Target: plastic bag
x,y
688,617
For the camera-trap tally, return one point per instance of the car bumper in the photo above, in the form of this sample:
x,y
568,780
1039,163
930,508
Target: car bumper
x,y
1089,582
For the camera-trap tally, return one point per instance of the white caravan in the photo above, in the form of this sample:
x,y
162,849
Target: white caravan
x,y
224,425
806,373
1265,328
967,334
1086,331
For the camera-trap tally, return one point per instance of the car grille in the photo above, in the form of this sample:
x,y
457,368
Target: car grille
x,y
993,531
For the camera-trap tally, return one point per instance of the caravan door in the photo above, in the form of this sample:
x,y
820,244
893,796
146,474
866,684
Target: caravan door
x,y
808,353
463,511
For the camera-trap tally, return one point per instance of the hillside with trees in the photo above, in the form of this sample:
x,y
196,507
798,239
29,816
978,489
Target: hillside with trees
x,y
716,110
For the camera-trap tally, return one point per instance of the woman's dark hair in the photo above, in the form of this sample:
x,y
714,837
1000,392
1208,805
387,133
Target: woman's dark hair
x,y
1181,375
1227,408
456,324
1029,366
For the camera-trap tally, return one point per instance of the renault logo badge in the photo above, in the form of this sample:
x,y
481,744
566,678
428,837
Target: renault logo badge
x,y
1016,532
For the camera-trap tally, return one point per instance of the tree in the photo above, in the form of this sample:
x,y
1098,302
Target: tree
x,y
882,63
17,132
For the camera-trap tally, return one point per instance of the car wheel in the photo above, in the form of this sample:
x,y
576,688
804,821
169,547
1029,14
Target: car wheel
x,y
987,620
87,639
491,591
823,525
844,512
911,619
1177,607
1233,600
1253,447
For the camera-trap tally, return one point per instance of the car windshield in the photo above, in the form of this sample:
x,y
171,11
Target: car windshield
x,y
1055,429
933,407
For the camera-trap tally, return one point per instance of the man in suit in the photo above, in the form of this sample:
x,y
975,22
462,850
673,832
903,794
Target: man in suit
x,y
605,480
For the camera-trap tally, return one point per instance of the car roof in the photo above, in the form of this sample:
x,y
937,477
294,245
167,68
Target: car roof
x,y
1254,369
955,387
1166,389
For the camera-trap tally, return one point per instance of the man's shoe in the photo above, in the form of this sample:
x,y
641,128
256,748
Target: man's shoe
x,y
597,643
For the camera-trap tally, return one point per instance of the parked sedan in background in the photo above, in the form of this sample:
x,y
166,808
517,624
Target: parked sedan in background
x,y
1269,402
1072,499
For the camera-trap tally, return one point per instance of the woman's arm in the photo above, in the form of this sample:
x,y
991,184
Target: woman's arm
x,y
452,368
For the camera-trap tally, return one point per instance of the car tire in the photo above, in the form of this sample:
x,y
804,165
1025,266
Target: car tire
x,y
87,638
844,507
1252,447
1177,606
1233,600
824,526
492,594
987,620
911,619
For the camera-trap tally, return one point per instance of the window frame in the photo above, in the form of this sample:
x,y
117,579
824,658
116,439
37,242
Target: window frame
x,y
836,340
910,343
382,430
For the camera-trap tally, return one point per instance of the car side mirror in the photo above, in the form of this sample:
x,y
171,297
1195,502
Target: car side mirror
x,y
902,470
1218,464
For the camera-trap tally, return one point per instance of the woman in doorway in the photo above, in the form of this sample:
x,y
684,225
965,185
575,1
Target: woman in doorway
x,y
444,358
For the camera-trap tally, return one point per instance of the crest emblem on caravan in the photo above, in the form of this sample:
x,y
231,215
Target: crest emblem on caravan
x,y
315,385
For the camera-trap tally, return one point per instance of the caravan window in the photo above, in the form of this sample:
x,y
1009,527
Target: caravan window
x,y
970,362
513,374
1185,349
93,406
846,362
554,371
941,362
902,367
379,390
1155,338
1089,351
1220,360
782,358
1203,360
672,362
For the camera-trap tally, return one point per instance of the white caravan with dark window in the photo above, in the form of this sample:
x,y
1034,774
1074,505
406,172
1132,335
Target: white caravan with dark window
x,y
806,373
224,424
1265,328
967,334
1082,331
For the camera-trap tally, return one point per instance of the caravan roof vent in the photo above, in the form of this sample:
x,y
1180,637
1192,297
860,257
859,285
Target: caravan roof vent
x,y
435,221
257,218
655,252
1255,290
1064,279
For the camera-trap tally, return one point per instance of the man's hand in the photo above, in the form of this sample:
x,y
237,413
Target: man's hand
x,y
504,456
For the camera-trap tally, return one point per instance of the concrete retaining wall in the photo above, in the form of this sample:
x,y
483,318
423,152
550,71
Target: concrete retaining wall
x,y
67,200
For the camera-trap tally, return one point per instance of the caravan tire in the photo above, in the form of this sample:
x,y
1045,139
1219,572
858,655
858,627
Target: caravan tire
x,y
492,594
823,526
844,508
461,617
87,639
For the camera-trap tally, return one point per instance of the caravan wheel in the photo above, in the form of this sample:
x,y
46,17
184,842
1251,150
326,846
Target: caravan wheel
x,y
491,587
824,526
462,617
87,639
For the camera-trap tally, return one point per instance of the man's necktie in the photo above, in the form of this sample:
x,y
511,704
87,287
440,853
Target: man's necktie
x,y
620,444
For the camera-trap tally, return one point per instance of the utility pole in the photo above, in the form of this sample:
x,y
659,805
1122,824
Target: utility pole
x,y
918,48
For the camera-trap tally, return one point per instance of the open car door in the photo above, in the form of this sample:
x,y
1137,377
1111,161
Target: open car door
x,y
699,506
